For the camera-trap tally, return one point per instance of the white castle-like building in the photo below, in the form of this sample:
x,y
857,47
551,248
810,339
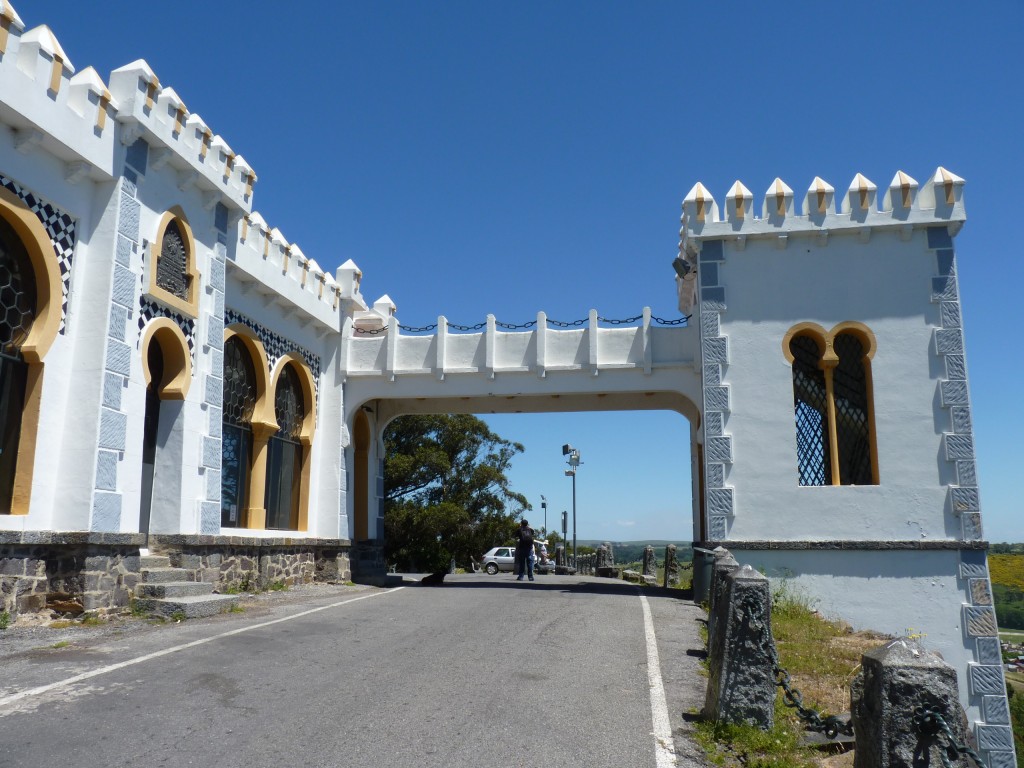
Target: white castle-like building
x,y
177,378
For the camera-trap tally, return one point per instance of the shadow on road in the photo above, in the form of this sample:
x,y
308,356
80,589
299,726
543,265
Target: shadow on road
x,y
564,584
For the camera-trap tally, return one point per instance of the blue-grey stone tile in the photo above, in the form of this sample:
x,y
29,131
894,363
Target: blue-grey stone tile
x,y
128,217
716,475
712,374
719,449
964,499
716,398
118,322
215,332
113,388
988,650
710,325
949,342
970,523
113,429
214,391
986,679
980,621
947,263
218,303
956,367
938,237
980,594
961,418
209,518
213,489
216,422
715,350
106,471
711,250
966,473
959,447
714,423
995,709
123,292
949,311
1001,760
954,393
106,511
130,182
123,251
211,453
708,275
719,501
993,737
217,274
973,565
944,288
216,363
119,357
717,528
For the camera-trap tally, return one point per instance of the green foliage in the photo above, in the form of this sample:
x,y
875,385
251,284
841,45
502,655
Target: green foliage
x,y
278,586
1009,603
447,492
1007,570
178,616
754,748
5,620
1017,719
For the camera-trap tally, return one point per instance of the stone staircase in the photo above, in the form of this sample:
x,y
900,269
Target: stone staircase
x,y
166,591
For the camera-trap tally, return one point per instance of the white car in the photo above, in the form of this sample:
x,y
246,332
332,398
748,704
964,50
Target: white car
x,y
499,559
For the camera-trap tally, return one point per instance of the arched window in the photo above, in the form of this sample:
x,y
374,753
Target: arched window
x,y
236,435
18,308
173,274
832,403
172,263
285,453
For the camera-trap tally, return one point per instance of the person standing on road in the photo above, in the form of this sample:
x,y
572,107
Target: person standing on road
x,y
524,550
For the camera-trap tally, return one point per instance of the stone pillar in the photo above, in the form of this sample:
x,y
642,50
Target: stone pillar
x,y
671,566
724,564
650,564
560,555
892,683
741,661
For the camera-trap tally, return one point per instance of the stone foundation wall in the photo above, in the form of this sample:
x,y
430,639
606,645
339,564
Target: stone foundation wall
x,y
69,573
248,563
80,572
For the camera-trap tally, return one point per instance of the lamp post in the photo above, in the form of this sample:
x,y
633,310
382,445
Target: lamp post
x,y
574,463
544,506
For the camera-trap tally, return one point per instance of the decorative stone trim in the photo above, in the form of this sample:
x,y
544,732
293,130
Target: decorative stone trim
x,y
859,546
276,346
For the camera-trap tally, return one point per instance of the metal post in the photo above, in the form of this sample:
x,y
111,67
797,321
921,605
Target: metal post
x,y
573,519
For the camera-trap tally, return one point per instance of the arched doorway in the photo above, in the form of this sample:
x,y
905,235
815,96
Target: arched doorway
x,y
240,396
285,453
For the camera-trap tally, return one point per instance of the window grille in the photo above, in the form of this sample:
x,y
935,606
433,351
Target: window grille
x,y
284,460
810,401
849,385
17,292
289,407
172,264
239,383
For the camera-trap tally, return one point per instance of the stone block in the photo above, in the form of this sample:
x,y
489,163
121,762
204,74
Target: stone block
x,y
893,681
741,679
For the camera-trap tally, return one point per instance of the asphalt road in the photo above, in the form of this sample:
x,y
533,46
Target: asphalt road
x,y
480,671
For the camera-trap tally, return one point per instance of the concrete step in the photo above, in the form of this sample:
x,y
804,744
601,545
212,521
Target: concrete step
x,y
154,561
194,607
171,589
163,575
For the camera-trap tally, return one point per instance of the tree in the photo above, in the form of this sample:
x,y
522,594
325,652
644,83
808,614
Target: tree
x,y
446,490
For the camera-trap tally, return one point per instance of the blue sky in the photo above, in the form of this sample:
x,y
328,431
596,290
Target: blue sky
x,y
505,158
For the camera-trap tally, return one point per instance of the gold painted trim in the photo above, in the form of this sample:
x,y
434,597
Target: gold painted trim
x,y
308,428
24,468
5,29
189,306
56,69
33,236
829,360
177,360
361,476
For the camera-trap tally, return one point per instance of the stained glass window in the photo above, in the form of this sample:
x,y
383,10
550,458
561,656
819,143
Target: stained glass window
x,y
172,264
236,433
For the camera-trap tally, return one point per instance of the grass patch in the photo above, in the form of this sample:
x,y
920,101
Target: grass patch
x,y
178,616
61,644
5,620
278,586
236,609
821,657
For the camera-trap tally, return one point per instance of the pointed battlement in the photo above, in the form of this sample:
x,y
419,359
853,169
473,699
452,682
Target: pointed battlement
x,y
903,203
90,118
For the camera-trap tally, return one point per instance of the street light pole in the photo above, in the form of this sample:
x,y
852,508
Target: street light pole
x,y
544,506
574,463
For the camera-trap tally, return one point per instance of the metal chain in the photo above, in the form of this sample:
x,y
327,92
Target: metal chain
x,y
931,726
513,327
830,725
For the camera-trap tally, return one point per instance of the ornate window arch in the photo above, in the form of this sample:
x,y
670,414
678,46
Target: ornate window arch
x,y
173,274
288,458
31,300
833,403
244,429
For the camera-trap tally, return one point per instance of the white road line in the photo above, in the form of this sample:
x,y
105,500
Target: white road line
x,y
157,654
664,747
